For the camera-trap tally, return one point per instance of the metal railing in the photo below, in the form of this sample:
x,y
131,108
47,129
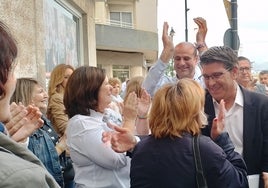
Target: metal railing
x,y
114,23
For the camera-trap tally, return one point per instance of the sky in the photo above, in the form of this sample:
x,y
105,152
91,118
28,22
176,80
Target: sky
x,y
252,21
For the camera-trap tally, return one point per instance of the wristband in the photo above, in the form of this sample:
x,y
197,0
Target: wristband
x,y
201,45
142,117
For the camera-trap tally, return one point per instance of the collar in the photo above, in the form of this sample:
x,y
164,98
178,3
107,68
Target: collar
x,y
94,113
239,96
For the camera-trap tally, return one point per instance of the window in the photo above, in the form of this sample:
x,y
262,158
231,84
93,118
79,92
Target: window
x,y
122,19
62,34
121,72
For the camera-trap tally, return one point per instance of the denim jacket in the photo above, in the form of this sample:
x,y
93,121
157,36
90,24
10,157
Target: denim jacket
x,y
42,144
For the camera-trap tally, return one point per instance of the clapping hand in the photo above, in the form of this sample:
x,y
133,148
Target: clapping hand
x,y
121,140
201,34
130,111
202,29
144,103
24,121
168,45
142,122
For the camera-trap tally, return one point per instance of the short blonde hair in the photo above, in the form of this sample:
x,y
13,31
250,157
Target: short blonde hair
x,y
177,109
114,81
24,91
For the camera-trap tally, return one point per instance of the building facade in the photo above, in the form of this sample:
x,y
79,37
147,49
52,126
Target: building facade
x,y
51,32
126,36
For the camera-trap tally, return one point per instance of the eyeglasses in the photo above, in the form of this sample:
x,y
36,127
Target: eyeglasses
x,y
214,76
242,69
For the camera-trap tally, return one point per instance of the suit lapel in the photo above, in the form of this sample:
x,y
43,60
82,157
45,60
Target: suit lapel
x,y
250,114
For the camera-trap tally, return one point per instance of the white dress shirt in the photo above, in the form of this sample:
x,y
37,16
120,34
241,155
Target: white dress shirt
x,y
96,165
156,77
234,120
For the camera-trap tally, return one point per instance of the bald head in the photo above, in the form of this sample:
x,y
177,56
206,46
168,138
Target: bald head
x,y
186,46
185,60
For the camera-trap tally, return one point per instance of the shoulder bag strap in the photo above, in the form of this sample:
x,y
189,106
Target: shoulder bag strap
x,y
200,178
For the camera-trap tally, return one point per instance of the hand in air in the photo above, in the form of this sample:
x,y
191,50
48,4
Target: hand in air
x,y
218,122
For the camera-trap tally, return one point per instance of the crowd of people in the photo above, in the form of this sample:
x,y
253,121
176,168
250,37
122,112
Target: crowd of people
x,y
88,131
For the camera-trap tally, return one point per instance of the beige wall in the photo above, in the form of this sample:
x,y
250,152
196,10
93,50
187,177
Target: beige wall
x,y
25,23
25,20
100,12
117,49
109,58
146,15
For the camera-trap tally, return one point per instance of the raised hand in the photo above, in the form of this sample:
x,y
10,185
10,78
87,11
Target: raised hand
x,y
201,34
130,111
202,29
168,45
218,122
144,103
142,122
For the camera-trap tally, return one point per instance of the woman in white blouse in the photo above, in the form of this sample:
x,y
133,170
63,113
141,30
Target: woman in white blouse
x,y
86,97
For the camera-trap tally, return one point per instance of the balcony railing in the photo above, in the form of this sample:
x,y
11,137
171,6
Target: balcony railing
x,y
115,23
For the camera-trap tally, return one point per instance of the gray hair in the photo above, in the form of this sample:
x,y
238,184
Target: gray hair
x,y
263,72
220,54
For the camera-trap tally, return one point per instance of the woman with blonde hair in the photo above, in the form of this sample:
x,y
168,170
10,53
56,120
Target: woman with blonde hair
x,y
44,142
117,101
116,84
56,110
134,84
166,157
142,123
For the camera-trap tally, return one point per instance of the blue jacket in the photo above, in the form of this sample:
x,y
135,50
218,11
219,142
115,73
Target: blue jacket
x,y
168,162
42,145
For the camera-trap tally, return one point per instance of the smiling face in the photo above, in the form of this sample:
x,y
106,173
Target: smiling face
x,y
185,60
40,98
104,95
222,86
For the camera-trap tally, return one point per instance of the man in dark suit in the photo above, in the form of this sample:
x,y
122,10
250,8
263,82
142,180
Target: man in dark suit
x,y
246,119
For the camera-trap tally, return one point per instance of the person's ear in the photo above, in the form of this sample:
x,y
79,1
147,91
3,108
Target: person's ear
x,y
234,73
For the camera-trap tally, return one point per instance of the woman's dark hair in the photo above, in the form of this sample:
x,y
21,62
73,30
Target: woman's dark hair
x,y
82,89
8,52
